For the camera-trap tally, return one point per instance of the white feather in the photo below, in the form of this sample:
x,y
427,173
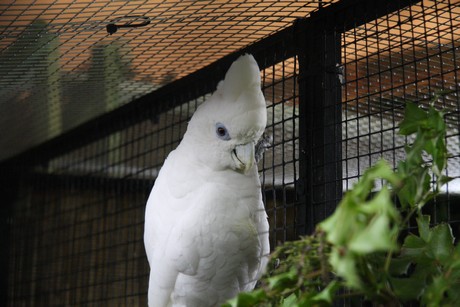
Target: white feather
x,y
206,230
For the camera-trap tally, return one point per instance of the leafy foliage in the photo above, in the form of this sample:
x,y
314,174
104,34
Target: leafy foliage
x,y
360,250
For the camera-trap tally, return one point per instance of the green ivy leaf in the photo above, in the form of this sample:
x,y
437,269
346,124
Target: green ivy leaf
x,y
405,194
354,214
416,186
408,289
436,122
455,261
377,236
435,292
247,299
441,243
327,294
413,247
453,294
400,266
338,227
283,280
290,301
440,159
381,170
414,117
442,180
423,223
344,264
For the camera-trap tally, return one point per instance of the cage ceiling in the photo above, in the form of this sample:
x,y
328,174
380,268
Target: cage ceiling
x,y
59,66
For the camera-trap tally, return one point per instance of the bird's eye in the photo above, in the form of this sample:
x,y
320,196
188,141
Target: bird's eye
x,y
222,132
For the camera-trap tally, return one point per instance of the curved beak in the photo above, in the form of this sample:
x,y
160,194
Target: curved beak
x,y
243,156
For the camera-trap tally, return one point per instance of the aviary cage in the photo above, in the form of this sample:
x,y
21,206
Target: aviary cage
x,y
88,119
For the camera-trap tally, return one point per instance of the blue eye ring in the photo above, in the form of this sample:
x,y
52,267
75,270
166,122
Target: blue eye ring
x,y
222,132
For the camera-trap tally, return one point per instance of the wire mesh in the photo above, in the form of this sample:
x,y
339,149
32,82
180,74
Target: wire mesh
x,y
86,209
80,228
279,169
408,55
75,223
59,67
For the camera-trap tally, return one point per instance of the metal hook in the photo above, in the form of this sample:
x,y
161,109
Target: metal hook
x,y
112,27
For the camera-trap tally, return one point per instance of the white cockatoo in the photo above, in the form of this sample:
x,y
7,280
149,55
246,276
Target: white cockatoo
x,y
206,230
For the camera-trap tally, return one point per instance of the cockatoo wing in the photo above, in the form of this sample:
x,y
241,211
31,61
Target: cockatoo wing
x,y
167,252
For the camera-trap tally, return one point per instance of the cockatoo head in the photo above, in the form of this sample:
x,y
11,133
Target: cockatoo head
x,y
225,128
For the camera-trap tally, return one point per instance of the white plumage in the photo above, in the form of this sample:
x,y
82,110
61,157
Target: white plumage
x,y
206,230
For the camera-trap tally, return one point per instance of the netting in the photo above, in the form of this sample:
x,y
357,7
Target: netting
x,y
408,55
59,67
81,224
335,85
